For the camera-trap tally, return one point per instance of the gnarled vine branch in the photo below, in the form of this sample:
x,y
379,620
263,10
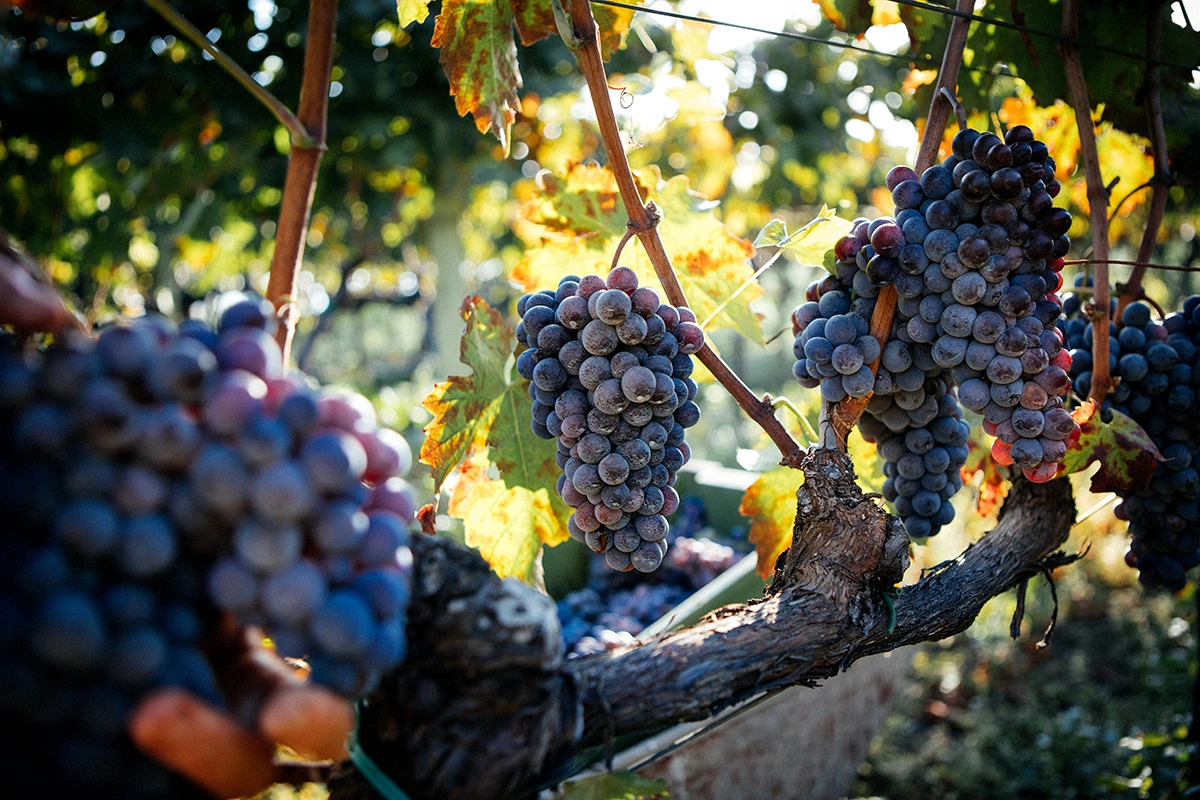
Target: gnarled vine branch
x,y
486,707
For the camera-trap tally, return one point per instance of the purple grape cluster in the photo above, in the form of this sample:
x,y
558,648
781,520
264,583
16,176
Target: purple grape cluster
x,y
150,479
973,255
609,368
1156,367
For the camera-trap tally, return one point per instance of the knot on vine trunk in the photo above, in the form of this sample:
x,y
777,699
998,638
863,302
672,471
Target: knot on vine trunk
x,y
843,542
480,706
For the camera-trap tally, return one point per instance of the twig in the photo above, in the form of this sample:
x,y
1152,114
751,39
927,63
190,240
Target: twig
x,y
1161,181
960,113
582,38
1143,264
303,162
299,135
785,402
847,412
1097,198
1117,206
621,246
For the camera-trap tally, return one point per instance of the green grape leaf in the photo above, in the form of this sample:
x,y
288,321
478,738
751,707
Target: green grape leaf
x,y
479,421
851,16
770,503
574,223
615,786
521,457
479,55
813,244
1114,81
465,406
410,11
507,524
1126,452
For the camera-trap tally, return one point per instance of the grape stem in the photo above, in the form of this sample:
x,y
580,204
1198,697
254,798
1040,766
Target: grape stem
x,y
960,113
1097,195
582,38
303,162
784,402
1161,182
299,134
846,413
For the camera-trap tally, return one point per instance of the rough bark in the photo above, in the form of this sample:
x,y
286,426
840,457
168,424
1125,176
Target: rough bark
x,y
485,707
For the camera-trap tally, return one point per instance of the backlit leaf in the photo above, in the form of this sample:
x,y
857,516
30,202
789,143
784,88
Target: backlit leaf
x,y
508,524
574,223
615,786
535,21
851,16
464,407
1126,453
479,55
521,457
411,11
770,502
994,486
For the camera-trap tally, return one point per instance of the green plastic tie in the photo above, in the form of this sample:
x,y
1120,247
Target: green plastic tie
x,y
375,776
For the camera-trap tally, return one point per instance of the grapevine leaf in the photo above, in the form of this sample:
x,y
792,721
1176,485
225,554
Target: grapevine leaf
x,y
773,234
813,244
573,225
770,502
411,11
479,55
615,786
1114,81
614,25
994,486
1125,451
535,21
851,16
464,407
508,524
521,457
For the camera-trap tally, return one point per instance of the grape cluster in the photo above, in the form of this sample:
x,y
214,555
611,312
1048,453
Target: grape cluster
x,y
609,368
151,479
1156,367
974,256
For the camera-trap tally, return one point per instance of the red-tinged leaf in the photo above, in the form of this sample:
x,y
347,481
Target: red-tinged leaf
x,y
770,502
464,407
1126,453
479,55
994,486
535,21
851,16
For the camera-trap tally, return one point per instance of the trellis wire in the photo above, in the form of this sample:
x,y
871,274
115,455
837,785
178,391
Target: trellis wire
x,y
924,58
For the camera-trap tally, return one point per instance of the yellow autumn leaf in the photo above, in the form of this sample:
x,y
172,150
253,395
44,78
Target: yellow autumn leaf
x,y
770,503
